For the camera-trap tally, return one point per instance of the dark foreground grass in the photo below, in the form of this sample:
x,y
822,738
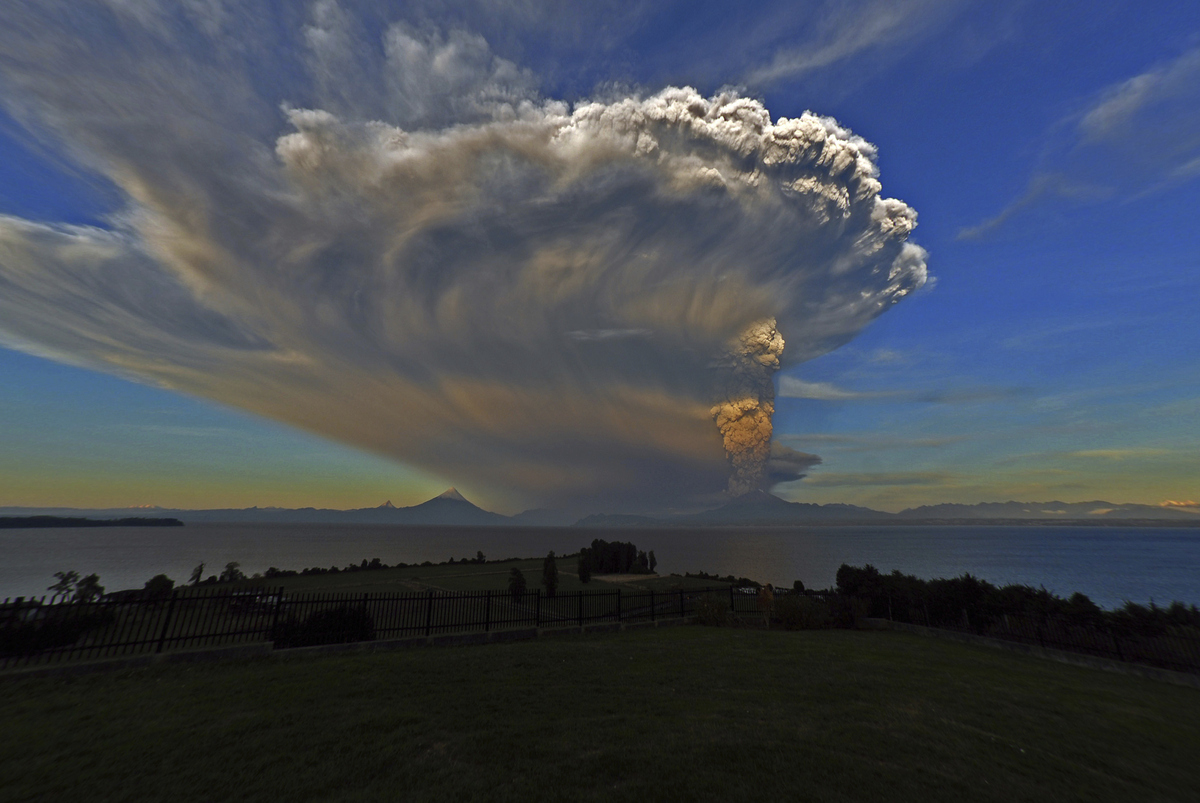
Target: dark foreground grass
x,y
685,713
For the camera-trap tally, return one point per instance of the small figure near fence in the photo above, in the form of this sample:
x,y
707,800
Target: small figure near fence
x,y
766,603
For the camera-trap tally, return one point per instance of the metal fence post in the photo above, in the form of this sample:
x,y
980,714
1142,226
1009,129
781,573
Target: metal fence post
x,y
538,610
581,608
162,637
429,614
618,605
487,612
681,612
652,605
732,606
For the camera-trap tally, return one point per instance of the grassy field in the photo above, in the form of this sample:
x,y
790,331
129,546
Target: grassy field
x,y
467,577
677,714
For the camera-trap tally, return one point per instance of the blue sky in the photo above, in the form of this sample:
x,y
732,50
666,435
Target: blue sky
x,y
1052,152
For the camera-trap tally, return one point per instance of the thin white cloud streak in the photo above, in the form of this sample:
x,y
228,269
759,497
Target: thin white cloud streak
x,y
848,30
882,478
428,259
1137,137
868,443
792,387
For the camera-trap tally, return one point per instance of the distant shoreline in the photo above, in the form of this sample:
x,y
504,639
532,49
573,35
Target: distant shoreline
x,y
41,522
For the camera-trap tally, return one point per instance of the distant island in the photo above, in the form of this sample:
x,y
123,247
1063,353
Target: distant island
x,y
758,508
15,522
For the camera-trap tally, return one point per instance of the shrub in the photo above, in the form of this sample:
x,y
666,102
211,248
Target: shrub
x,y
798,612
848,612
158,587
341,625
516,584
60,626
88,589
712,610
584,569
550,574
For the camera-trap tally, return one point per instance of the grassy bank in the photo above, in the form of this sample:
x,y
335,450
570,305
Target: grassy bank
x,y
672,714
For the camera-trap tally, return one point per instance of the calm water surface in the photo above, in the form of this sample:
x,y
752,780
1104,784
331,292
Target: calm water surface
x,y
1109,564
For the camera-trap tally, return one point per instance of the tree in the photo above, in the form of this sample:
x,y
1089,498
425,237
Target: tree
x,y
158,587
550,574
197,575
233,572
89,588
66,582
643,562
653,560
584,568
516,584
479,557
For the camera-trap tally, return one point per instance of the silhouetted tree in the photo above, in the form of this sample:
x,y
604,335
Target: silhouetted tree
x,y
89,588
233,572
550,574
583,568
65,585
653,560
516,584
642,561
158,587
479,557
197,575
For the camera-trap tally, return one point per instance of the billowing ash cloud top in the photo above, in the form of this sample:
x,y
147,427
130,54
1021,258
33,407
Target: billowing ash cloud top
x,y
546,301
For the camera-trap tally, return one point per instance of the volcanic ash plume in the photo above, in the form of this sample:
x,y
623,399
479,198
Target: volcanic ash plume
x,y
744,416
405,247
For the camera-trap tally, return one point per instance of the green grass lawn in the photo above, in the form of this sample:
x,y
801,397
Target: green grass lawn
x,y
685,713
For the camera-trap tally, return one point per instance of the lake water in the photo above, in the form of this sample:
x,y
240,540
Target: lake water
x,y
1109,564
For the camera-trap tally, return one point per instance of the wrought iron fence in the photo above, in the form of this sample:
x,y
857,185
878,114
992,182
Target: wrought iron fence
x,y
33,631
1174,648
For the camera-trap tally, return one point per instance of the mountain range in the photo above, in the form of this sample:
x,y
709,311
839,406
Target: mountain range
x,y
451,508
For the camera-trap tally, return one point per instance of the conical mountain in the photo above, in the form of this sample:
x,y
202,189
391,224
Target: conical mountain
x,y
760,507
449,508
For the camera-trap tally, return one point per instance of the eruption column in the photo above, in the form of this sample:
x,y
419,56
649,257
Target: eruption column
x,y
744,417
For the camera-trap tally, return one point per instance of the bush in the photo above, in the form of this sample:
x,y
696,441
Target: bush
x,y
331,626
584,569
158,588
61,626
712,610
848,612
550,574
516,584
798,612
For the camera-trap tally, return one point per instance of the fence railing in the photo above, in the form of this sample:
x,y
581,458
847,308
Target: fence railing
x,y
1177,648
1174,647
35,632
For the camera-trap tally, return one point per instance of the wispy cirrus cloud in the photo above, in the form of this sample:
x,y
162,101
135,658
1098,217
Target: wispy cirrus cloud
x,y
868,442
880,478
847,30
1134,137
795,388
1119,454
